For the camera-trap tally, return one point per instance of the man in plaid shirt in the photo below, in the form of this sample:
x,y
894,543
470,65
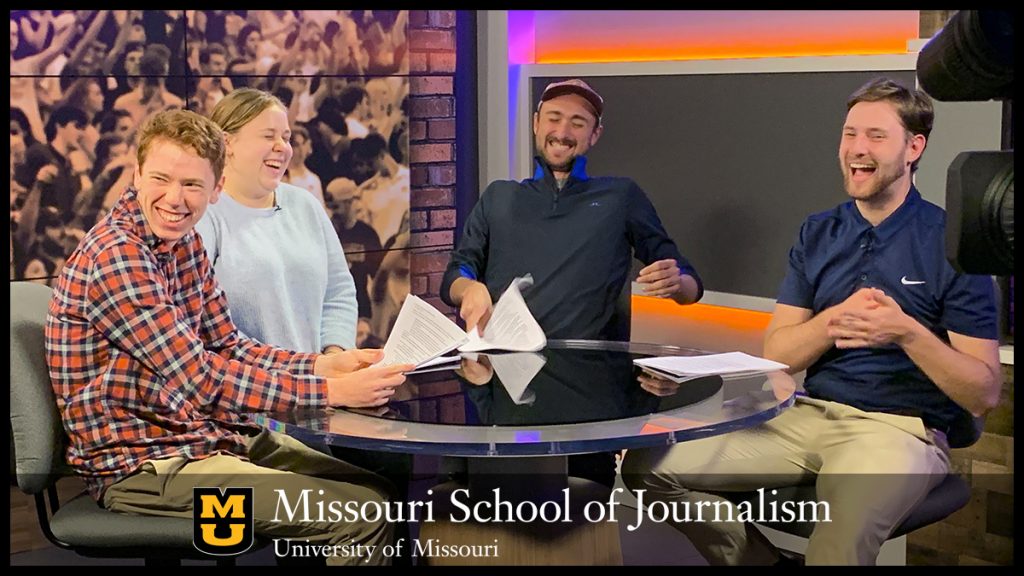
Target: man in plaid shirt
x,y
150,373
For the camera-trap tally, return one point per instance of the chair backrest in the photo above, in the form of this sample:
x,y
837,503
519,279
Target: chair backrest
x,y
965,431
38,435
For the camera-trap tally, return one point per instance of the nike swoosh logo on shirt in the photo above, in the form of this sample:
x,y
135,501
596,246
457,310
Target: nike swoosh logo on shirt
x,y
910,282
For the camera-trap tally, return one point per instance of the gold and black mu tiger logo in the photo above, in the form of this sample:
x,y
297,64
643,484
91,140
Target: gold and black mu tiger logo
x,y
222,523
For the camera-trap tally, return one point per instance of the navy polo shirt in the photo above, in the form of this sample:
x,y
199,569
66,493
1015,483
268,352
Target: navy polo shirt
x,y
839,252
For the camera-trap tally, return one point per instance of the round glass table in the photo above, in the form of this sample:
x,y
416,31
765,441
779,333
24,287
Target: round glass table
x,y
515,422
574,396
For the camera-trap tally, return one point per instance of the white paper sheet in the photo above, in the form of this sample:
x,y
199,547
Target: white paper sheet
x,y
732,363
421,333
511,327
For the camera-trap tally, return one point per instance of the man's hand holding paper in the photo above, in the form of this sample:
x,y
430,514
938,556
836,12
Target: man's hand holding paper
x,y
422,333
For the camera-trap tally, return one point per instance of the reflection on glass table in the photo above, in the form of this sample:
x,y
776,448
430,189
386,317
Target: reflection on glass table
x,y
572,397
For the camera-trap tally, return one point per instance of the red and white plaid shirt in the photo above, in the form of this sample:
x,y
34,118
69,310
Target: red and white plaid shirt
x,y
145,361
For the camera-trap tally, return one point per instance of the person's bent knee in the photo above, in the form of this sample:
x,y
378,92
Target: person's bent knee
x,y
640,470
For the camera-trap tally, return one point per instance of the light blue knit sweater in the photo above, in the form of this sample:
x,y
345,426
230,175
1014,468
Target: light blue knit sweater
x,y
283,271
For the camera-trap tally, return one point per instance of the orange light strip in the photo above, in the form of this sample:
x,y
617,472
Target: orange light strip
x,y
680,53
568,37
733,318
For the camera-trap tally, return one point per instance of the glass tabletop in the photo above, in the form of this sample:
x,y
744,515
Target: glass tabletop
x,y
574,396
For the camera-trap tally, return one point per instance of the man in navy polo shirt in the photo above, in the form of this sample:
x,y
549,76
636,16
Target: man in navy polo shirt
x,y
897,347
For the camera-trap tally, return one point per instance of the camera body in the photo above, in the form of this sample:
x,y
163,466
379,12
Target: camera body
x,y
979,198
971,59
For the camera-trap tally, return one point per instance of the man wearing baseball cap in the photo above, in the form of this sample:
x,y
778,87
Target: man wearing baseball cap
x,y
575,234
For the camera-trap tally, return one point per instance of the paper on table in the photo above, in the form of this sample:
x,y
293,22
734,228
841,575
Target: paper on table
x,y
421,333
511,327
516,371
727,363
678,379
441,360
438,364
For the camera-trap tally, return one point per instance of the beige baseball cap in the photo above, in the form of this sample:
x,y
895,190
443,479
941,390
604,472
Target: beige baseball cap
x,y
574,86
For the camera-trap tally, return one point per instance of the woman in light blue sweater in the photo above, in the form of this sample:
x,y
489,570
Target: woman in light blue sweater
x,y
272,246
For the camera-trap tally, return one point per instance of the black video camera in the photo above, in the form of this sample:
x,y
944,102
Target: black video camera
x,y
971,59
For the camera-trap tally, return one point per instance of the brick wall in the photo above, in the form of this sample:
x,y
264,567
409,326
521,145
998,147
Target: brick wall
x,y
432,148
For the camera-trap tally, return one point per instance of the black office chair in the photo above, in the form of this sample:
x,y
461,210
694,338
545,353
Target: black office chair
x,y
950,495
39,444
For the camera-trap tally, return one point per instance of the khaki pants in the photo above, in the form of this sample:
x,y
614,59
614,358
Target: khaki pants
x,y
871,468
164,488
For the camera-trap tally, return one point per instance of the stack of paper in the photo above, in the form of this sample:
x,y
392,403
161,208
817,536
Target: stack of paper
x,y
439,364
512,326
731,364
422,333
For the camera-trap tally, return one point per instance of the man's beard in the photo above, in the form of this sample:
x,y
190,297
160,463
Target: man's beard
x,y
880,181
563,167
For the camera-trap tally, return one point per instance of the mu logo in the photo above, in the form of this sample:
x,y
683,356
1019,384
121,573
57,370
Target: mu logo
x,y
222,522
